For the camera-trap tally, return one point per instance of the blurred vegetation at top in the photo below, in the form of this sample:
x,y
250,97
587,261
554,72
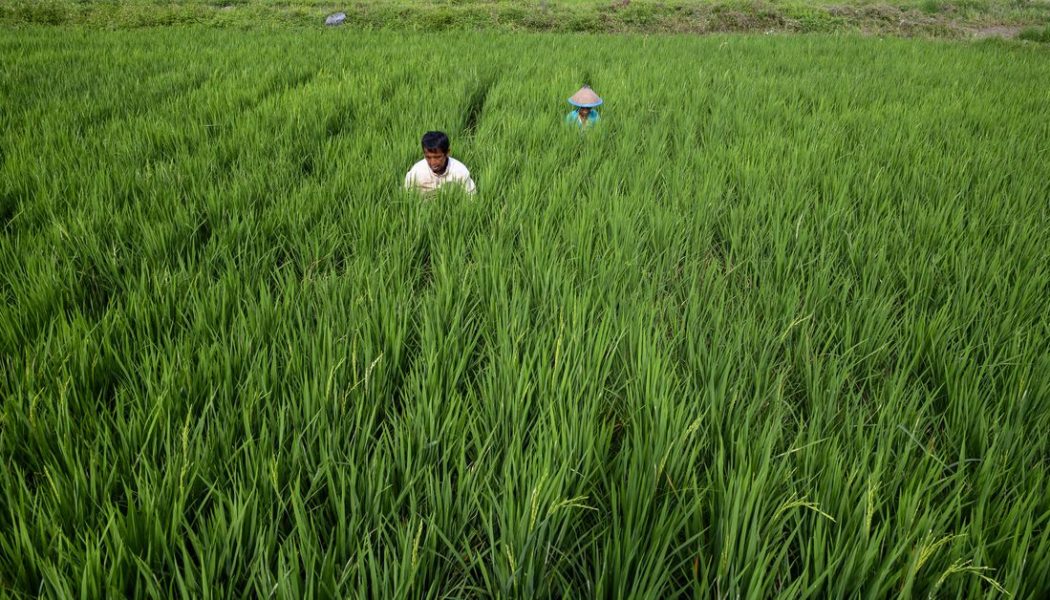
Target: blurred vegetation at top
x,y
926,18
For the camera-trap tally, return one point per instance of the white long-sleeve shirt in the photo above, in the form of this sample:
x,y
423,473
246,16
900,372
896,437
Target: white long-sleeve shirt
x,y
422,178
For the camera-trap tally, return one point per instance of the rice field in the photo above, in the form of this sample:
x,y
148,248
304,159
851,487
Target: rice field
x,y
777,328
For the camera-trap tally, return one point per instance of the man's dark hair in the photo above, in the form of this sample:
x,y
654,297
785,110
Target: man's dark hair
x,y
435,140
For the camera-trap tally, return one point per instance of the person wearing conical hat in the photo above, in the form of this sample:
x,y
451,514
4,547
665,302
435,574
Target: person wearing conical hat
x,y
586,103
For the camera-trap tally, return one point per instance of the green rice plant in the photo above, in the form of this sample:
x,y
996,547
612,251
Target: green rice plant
x,y
776,328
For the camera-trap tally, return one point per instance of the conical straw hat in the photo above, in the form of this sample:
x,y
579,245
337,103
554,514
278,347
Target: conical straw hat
x,y
585,98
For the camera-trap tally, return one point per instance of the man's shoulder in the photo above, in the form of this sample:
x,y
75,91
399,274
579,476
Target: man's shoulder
x,y
457,167
419,171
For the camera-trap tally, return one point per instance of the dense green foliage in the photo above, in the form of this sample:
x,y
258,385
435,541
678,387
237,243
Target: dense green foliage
x,y
777,328
1036,34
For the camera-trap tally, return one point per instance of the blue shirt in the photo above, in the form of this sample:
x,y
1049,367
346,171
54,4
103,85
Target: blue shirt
x,y
573,118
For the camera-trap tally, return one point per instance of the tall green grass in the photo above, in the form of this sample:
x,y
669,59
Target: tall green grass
x,y
778,328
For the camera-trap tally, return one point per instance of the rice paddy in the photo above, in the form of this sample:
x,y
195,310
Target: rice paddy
x,y
776,328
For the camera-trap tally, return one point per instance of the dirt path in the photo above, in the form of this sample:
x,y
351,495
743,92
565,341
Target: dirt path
x,y
1007,32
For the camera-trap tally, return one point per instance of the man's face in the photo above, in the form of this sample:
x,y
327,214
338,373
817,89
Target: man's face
x,y
436,160
585,112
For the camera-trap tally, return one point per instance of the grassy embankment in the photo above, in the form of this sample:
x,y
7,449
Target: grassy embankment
x,y
928,18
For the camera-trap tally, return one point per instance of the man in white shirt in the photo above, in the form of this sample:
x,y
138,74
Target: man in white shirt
x,y
437,168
